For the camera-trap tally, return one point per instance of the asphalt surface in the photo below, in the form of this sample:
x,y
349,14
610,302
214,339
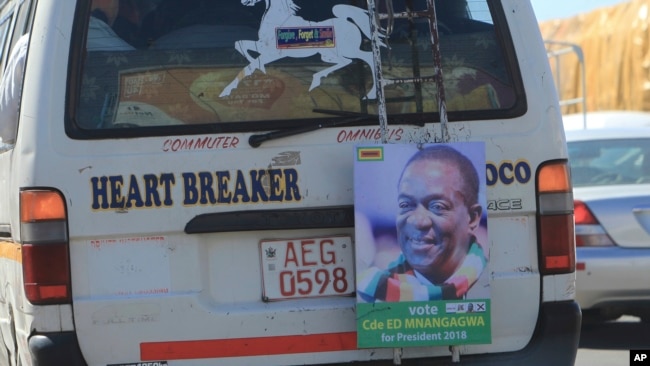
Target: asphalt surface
x,y
609,344
619,335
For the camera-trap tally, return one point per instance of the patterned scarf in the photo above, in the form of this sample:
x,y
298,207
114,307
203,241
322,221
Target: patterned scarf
x,y
400,283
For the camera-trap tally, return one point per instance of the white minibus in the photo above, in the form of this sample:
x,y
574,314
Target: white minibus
x,y
215,182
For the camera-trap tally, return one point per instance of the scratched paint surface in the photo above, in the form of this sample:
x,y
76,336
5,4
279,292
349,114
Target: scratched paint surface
x,y
129,266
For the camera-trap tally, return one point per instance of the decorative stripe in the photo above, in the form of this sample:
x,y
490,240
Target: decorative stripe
x,y
11,250
246,347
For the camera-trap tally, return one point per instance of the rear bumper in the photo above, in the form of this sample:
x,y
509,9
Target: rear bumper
x,y
555,342
55,349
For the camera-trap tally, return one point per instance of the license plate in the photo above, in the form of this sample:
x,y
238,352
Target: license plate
x,y
309,267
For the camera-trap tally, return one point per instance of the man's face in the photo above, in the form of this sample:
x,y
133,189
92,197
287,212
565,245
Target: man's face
x,y
434,226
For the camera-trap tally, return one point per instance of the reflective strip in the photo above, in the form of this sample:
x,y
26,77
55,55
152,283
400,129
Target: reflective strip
x,y
560,261
590,230
11,250
44,232
246,347
556,203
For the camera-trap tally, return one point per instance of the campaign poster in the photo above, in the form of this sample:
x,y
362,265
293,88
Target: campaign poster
x,y
421,245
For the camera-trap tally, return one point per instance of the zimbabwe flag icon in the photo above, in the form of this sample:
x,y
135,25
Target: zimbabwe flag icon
x,y
375,153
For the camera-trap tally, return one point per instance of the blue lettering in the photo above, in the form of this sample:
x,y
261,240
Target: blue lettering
x,y
151,191
257,188
222,187
207,192
189,187
275,178
201,188
100,193
507,172
167,180
240,189
491,174
506,177
522,172
116,198
134,193
291,185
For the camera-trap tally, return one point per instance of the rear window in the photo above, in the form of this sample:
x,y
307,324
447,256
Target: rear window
x,y
609,162
197,66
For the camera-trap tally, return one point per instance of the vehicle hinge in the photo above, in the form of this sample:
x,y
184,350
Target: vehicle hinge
x,y
455,354
397,356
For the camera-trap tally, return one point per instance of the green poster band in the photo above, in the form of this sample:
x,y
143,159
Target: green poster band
x,y
417,324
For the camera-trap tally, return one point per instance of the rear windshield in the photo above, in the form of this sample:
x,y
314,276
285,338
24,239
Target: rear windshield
x,y
195,66
609,162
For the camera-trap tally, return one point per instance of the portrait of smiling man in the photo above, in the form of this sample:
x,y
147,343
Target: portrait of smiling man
x,y
438,218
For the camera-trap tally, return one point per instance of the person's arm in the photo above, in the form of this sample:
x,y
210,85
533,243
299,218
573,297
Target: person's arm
x,y
101,37
11,90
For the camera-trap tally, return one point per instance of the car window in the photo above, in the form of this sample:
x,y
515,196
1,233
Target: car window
x,y
184,65
609,162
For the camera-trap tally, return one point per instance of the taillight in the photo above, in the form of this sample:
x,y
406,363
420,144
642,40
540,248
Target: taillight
x,y
589,232
555,219
45,252
582,214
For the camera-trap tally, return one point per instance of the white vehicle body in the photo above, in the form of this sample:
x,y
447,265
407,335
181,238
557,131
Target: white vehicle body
x,y
144,240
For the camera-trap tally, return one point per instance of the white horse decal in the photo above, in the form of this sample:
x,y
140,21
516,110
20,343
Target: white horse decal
x,y
281,15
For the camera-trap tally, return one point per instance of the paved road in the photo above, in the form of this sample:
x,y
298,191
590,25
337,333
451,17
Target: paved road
x,y
609,344
597,357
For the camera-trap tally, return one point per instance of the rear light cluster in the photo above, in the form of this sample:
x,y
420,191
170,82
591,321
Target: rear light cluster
x,y
589,232
45,247
555,219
